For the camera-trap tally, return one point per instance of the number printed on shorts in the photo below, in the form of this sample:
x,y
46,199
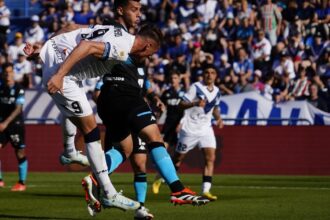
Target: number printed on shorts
x,y
76,107
182,147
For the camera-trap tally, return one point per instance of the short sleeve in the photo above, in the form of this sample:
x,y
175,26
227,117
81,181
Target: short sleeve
x,y
191,94
20,100
118,46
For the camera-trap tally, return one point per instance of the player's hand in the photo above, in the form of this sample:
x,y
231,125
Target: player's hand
x,y
28,49
161,106
219,123
55,84
201,103
3,126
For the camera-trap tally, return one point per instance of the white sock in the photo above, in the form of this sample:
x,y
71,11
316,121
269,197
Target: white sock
x,y
99,167
206,186
69,131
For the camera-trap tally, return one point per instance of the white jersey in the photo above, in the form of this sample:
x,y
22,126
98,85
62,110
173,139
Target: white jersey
x,y
118,44
197,120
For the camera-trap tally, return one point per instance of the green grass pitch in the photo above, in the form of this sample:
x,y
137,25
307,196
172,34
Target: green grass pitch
x,y
60,196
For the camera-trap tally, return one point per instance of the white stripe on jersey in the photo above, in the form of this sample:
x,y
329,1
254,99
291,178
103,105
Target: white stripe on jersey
x,y
62,45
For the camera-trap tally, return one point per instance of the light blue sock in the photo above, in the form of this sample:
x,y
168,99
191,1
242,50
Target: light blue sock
x,y
164,164
140,186
113,158
22,169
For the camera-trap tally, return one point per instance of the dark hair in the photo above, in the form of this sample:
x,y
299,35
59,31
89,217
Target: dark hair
x,y
5,65
174,72
151,31
121,3
209,66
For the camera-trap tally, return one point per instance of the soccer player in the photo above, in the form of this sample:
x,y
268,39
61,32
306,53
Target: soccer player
x,y
124,112
84,53
171,97
200,103
12,123
138,159
127,16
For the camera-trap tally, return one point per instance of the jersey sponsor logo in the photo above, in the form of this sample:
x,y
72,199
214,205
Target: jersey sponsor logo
x,y
56,50
173,102
95,34
118,32
114,78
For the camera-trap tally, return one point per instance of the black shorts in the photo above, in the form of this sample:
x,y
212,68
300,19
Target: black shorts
x,y
170,135
123,115
15,134
139,146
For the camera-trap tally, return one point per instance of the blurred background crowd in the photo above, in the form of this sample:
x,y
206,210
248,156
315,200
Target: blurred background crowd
x,y
278,48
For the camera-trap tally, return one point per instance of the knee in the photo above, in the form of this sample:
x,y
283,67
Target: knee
x,y
210,158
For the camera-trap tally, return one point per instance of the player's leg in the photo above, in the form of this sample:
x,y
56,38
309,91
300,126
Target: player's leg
x,y
138,161
116,155
209,157
2,145
74,104
70,154
16,133
165,166
22,170
167,137
208,146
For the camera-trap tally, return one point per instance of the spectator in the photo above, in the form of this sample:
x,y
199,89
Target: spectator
x,y
301,85
271,21
4,24
228,31
244,34
14,49
315,99
186,11
284,65
257,84
35,33
85,15
268,89
96,6
261,51
243,67
23,71
207,10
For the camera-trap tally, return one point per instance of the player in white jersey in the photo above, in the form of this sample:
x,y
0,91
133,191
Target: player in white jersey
x,y
87,52
201,102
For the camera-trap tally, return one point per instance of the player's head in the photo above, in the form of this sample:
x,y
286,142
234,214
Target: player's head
x,y
147,41
8,73
128,12
209,74
175,78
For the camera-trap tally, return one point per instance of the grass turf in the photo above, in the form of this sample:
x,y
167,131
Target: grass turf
x,y
60,196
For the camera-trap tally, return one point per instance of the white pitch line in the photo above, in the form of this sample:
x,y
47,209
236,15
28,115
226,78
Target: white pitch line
x,y
272,187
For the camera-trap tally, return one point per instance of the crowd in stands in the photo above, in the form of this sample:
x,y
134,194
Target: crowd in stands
x,y
278,48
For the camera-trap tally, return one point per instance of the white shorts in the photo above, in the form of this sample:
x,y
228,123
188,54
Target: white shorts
x,y
188,142
73,102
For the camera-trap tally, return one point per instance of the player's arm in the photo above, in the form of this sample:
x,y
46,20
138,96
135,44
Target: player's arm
x,y
82,50
152,97
68,28
217,117
18,110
